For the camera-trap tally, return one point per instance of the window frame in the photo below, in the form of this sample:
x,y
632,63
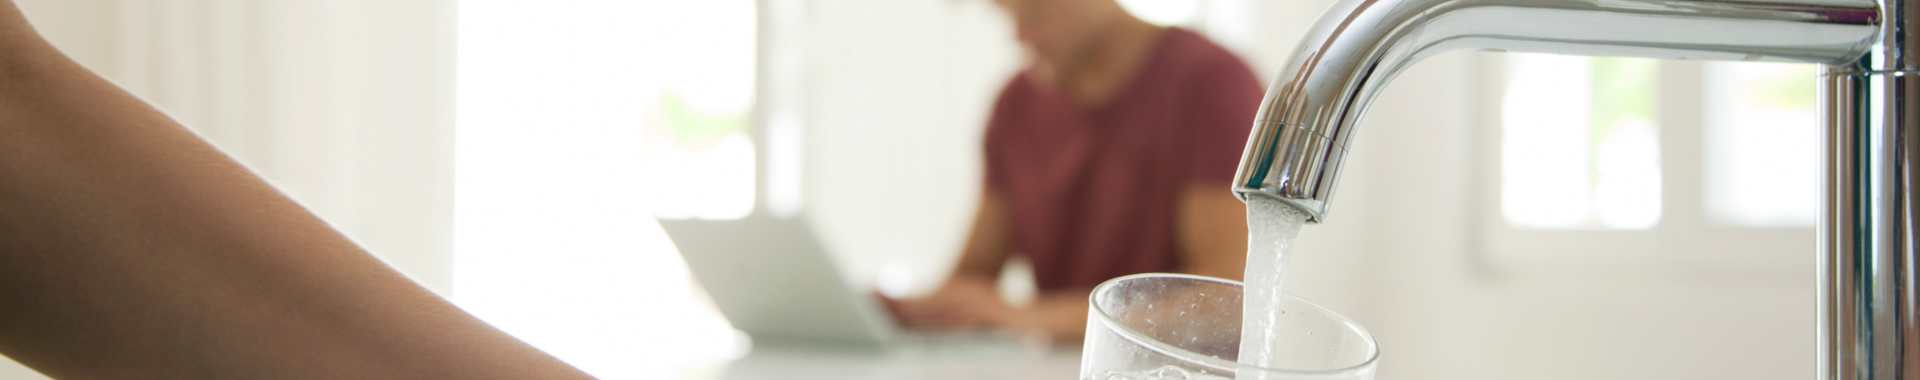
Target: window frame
x,y
1683,245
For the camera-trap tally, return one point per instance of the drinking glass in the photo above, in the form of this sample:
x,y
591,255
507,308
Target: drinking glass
x,y
1173,326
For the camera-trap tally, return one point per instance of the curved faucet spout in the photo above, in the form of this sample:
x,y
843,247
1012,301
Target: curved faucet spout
x,y
1300,136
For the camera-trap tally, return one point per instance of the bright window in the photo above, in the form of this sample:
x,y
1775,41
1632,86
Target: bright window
x,y
1763,145
1580,143
699,156
1638,165
1581,149
576,121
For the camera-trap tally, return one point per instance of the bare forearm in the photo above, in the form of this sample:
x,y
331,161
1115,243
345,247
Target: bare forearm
x,y
988,241
1061,314
1212,231
130,248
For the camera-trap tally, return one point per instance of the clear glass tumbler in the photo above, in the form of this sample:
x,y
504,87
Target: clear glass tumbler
x,y
1174,326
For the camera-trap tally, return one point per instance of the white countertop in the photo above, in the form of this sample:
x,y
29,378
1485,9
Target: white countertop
x,y
799,363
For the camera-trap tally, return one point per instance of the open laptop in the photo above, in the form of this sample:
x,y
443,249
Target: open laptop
x,y
773,280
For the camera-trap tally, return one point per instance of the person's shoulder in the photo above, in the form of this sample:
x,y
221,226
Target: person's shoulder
x,y
1017,87
1207,69
1016,98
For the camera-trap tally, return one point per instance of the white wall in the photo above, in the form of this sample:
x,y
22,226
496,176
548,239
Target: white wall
x,y
896,101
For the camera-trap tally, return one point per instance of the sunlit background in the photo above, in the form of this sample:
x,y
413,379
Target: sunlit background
x,y
1762,127
1581,144
1505,215
575,122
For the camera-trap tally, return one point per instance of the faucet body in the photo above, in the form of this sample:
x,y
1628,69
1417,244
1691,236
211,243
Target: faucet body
x,y
1869,326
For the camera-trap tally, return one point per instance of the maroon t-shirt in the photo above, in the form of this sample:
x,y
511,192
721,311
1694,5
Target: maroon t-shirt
x,y
1092,192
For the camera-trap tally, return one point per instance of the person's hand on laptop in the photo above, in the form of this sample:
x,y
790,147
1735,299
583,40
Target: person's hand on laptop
x,y
960,304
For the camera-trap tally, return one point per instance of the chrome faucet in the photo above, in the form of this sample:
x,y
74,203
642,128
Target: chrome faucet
x,y
1869,326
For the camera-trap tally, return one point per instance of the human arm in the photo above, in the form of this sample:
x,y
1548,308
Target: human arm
x,y
969,298
129,248
1211,225
1211,232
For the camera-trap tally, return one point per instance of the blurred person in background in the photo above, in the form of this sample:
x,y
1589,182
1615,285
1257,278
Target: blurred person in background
x,y
1111,153
130,248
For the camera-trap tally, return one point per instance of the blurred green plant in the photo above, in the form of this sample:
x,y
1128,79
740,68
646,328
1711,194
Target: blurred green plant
x,y
1789,86
691,128
1623,89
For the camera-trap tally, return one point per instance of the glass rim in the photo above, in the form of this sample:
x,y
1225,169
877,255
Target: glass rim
x,y
1215,362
